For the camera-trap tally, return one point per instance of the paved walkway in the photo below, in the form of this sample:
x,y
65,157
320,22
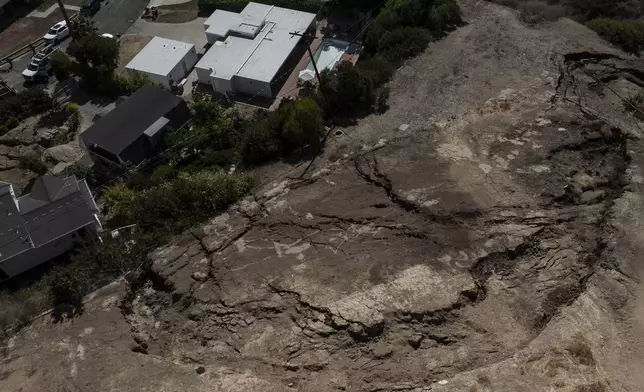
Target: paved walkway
x,y
48,11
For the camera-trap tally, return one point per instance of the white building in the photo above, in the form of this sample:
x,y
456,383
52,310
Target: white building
x,y
249,49
164,60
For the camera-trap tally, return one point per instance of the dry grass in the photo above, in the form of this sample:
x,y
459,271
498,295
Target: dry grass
x,y
18,308
130,46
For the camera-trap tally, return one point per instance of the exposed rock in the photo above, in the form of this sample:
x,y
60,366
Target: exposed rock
x,y
199,276
381,350
6,163
67,153
592,196
60,168
415,341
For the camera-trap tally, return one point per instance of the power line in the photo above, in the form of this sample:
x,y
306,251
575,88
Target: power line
x,y
150,161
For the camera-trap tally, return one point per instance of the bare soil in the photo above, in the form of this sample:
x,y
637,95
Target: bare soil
x,y
129,47
491,243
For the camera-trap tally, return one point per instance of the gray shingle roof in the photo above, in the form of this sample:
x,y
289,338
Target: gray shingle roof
x,y
54,208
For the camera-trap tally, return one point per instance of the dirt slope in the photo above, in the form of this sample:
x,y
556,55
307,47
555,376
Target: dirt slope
x,y
491,245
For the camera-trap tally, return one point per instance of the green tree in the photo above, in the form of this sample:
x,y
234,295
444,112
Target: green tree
x,y
304,125
61,65
348,90
95,59
83,26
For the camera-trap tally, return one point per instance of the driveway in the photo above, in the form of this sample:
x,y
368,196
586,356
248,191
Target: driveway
x,y
116,16
191,32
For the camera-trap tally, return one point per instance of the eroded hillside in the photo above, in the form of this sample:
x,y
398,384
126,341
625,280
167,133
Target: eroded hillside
x,y
482,235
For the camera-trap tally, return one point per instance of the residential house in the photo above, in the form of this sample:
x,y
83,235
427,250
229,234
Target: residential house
x,y
164,61
250,49
131,132
45,223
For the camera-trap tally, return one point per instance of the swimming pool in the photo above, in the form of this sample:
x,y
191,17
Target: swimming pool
x,y
329,53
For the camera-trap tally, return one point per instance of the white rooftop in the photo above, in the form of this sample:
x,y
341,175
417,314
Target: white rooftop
x,y
160,56
253,44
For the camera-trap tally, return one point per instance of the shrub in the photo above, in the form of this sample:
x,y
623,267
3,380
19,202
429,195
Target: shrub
x,y
73,121
26,103
260,144
304,125
163,173
179,203
124,85
69,285
635,103
402,43
119,199
590,9
383,97
629,35
443,15
33,163
61,65
11,123
377,69
83,172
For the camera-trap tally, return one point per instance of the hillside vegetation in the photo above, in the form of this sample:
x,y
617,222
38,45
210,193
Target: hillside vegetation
x,y
617,21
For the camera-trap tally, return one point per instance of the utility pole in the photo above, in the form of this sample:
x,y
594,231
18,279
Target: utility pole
x,y
315,66
322,89
64,11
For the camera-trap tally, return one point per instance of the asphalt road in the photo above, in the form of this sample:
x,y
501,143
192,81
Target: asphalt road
x,y
116,16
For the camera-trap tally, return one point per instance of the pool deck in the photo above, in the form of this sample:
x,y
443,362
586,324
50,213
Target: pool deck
x,y
290,87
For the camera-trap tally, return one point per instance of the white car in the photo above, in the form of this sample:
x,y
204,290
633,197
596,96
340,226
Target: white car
x,y
37,69
107,35
57,33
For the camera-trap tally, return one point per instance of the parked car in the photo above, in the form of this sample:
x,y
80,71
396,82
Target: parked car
x,y
45,52
37,70
57,32
90,7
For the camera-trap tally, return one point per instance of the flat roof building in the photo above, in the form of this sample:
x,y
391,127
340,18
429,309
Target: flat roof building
x,y
164,60
249,48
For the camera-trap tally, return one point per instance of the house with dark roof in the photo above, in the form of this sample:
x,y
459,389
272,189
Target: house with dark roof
x,y
131,132
45,223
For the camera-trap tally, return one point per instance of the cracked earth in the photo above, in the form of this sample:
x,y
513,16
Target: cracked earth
x,y
492,244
